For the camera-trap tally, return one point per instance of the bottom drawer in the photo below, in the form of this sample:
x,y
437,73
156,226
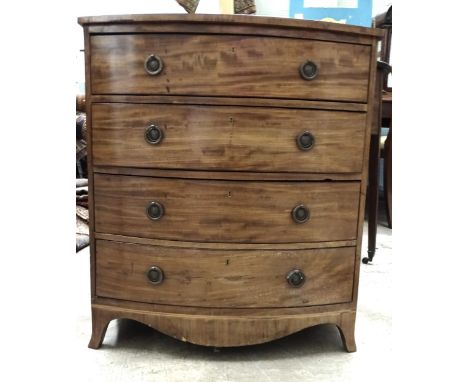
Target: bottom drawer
x,y
224,278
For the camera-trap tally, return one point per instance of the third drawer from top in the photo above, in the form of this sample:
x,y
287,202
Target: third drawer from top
x,y
226,211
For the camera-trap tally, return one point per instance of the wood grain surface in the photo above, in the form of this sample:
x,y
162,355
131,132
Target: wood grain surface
x,y
226,211
224,278
227,138
223,65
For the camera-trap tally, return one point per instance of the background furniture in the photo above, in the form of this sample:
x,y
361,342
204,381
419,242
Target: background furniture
x,y
341,11
81,146
386,152
382,117
222,6
227,173
82,216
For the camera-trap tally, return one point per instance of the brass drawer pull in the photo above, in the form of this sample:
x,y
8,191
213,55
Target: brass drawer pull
x,y
155,210
300,214
153,65
308,70
153,134
296,278
155,275
305,140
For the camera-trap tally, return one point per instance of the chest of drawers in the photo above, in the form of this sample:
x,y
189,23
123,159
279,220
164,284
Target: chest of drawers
x,y
227,170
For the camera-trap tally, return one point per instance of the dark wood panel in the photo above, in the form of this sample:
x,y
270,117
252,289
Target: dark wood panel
x,y
223,278
223,65
90,163
226,211
364,183
227,138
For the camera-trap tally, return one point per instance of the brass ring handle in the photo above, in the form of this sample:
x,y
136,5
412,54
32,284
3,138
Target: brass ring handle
x,y
308,70
296,278
155,275
155,210
153,134
300,214
153,65
305,140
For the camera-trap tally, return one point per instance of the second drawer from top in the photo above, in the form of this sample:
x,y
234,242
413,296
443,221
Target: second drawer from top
x,y
231,138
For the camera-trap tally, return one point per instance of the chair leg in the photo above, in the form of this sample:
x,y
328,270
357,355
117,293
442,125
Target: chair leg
x,y
388,176
373,196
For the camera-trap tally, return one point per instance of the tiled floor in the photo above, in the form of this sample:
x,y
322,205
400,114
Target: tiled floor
x,y
132,351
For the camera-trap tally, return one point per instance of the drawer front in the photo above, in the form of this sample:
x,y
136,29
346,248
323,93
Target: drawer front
x,y
225,211
223,278
228,138
228,65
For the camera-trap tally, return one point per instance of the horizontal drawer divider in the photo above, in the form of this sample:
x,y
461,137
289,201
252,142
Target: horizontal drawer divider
x,y
221,308
235,312
196,99
227,175
103,30
224,246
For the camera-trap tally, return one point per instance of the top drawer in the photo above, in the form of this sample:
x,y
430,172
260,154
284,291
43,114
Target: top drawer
x,y
229,65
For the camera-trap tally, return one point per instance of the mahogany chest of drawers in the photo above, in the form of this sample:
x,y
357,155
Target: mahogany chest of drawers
x,y
227,169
